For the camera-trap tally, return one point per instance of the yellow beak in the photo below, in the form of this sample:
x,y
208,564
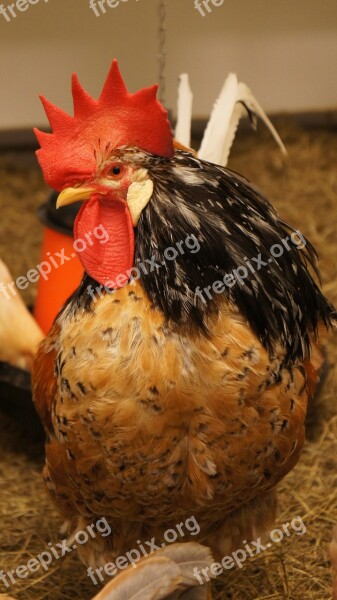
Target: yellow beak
x,y
72,194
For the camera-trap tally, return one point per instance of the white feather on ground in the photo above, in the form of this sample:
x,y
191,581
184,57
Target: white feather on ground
x,y
165,574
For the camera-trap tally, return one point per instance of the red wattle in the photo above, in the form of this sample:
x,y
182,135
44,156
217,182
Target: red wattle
x,y
104,240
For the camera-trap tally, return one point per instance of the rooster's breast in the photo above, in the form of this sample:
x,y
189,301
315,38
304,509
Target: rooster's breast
x,y
152,418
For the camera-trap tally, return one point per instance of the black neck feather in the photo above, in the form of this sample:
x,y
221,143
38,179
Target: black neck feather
x,y
233,224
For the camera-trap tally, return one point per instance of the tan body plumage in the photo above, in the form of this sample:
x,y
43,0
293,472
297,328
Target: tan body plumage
x,y
153,423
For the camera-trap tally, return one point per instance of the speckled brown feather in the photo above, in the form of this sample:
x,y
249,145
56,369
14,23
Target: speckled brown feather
x,y
154,422
43,377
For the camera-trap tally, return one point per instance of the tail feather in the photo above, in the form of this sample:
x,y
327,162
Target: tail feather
x,y
229,108
184,112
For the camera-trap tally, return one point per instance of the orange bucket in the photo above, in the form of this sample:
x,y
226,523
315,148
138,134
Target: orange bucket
x,y
60,268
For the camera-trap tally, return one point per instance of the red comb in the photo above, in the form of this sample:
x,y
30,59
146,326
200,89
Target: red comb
x,y
116,119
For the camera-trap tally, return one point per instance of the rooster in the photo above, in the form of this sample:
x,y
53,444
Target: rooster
x,y
163,397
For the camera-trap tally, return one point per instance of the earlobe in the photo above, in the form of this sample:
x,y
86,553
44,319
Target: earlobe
x,y
139,194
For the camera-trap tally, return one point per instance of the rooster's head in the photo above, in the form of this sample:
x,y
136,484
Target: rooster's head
x,y
99,155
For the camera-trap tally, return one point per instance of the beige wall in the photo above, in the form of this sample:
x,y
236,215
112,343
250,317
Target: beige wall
x,y
285,50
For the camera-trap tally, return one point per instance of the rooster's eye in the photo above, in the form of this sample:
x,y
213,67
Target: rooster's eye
x,y
116,171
